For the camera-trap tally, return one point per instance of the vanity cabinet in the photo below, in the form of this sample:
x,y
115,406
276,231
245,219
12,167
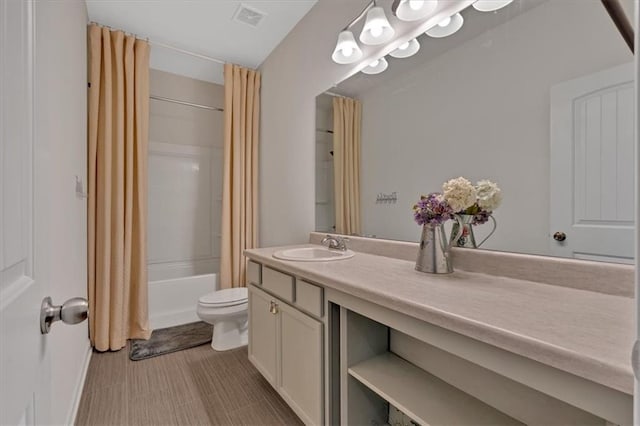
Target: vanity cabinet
x,y
263,334
286,344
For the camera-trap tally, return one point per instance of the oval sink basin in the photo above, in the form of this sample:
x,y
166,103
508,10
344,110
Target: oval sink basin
x,y
313,254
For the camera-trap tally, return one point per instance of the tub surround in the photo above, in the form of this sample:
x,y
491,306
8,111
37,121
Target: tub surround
x,y
585,333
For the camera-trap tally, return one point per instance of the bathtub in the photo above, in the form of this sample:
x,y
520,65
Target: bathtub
x,y
174,301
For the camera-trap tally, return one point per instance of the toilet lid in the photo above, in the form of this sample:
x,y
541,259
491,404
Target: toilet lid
x,y
226,297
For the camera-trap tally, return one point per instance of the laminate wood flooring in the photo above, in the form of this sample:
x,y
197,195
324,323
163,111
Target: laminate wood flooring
x,y
196,386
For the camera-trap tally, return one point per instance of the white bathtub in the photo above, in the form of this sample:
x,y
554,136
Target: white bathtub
x,y
174,301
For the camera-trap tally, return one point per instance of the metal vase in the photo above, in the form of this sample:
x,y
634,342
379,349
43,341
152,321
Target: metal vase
x,y
433,253
467,238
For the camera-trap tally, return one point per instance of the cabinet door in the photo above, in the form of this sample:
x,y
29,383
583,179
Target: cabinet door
x,y
301,379
263,335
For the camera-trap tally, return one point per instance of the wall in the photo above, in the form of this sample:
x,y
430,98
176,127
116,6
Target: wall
x,y
185,177
293,75
61,139
482,112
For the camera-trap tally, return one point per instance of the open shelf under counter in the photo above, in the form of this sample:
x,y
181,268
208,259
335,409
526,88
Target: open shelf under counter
x,y
422,396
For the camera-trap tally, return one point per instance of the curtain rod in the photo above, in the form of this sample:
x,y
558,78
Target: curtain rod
x,y
176,101
186,52
336,95
166,46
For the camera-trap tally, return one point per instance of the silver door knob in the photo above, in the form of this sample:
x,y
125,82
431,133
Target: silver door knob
x,y
72,311
559,236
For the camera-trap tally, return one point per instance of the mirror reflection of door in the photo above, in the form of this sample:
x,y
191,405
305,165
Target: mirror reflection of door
x,y
592,166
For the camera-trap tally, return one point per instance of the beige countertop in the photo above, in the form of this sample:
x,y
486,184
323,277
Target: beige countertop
x,y
582,332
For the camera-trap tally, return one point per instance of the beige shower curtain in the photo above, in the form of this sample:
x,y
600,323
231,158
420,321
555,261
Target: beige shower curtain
x,y
347,117
240,191
118,112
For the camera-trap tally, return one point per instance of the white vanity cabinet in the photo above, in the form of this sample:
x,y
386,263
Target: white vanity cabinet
x,y
286,344
364,338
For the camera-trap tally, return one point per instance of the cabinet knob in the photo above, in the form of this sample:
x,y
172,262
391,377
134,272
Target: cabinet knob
x,y
559,236
273,307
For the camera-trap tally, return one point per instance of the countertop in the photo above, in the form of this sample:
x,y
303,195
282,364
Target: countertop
x,y
582,332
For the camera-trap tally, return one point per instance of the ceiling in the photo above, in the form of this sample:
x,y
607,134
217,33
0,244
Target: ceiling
x,y
206,27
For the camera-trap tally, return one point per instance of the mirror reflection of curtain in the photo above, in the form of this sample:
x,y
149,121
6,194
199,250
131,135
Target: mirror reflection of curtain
x,y
240,189
347,125
118,139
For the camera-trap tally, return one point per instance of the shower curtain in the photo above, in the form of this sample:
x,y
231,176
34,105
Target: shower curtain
x,y
118,113
347,117
240,186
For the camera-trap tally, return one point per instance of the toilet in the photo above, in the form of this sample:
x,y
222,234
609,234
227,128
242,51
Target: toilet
x,y
227,311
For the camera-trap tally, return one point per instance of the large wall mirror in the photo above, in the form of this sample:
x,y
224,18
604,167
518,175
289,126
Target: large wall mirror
x,y
536,97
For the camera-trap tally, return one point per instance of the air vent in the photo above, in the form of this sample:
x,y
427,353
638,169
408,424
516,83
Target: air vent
x,y
248,15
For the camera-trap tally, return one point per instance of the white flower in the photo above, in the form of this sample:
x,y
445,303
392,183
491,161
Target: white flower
x,y
459,193
489,195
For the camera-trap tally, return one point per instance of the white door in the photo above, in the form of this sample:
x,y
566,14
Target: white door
x,y
592,166
22,349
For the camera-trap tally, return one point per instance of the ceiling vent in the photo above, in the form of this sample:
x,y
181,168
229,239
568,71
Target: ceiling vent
x,y
248,15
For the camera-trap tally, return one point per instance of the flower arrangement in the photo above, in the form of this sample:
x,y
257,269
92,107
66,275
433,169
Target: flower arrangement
x,y
458,196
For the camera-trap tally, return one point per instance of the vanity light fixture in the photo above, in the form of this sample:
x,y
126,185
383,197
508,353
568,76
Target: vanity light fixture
x,y
406,49
347,50
377,29
490,5
376,67
446,27
412,10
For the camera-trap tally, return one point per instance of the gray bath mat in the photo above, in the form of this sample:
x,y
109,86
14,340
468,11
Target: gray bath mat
x,y
171,339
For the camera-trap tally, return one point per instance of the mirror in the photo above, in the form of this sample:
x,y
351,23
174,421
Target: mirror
x,y
536,97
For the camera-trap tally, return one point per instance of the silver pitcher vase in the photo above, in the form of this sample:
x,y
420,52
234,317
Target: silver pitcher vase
x,y
467,239
433,253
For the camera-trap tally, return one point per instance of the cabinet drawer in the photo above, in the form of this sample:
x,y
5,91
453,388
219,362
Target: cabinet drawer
x,y
309,297
278,283
254,272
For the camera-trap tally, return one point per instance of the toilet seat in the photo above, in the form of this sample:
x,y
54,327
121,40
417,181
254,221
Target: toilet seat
x,y
227,297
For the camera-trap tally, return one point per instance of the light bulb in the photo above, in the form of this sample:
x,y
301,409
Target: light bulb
x,y
413,10
490,5
446,27
377,29
347,50
376,67
416,4
446,21
406,49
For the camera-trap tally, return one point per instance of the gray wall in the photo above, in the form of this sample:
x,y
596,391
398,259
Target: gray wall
x,y
296,71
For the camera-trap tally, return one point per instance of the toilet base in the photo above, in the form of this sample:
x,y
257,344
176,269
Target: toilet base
x,y
229,335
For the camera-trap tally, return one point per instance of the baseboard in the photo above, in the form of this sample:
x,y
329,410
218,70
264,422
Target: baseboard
x,y
170,319
82,378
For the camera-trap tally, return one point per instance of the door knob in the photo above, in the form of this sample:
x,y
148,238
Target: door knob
x,y
72,311
559,236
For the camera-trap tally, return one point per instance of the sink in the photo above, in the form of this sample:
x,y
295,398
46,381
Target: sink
x,y
313,254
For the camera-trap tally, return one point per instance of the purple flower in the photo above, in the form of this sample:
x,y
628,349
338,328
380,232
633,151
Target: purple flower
x,y
432,209
481,217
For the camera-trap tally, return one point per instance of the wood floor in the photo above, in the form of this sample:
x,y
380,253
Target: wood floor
x,y
192,387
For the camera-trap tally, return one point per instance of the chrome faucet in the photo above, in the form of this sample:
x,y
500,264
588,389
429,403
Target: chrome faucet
x,y
335,243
